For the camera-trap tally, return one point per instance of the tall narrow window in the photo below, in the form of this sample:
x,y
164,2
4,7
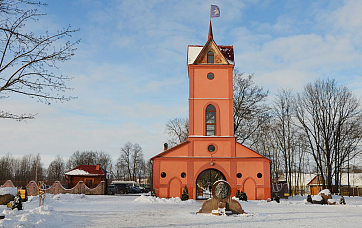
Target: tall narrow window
x,y
210,57
210,120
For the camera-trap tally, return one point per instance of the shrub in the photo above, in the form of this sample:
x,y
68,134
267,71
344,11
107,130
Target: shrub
x,y
185,194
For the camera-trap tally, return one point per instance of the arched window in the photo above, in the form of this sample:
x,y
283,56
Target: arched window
x,y
210,57
210,120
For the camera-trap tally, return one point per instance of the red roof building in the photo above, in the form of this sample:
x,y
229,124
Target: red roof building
x,y
91,175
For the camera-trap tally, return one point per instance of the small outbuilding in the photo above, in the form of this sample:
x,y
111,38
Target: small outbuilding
x,y
91,175
316,185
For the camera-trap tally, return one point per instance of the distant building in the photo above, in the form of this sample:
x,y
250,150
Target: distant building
x,y
315,185
309,183
211,152
91,175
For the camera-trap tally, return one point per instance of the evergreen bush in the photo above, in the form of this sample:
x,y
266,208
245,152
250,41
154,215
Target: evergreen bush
x,y
185,194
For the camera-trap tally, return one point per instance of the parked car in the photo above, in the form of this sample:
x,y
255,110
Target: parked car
x,y
132,186
145,188
134,189
123,188
112,189
142,188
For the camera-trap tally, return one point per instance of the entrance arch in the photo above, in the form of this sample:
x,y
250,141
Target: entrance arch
x,y
204,182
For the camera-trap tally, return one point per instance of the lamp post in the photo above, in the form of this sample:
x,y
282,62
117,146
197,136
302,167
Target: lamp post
x,y
349,193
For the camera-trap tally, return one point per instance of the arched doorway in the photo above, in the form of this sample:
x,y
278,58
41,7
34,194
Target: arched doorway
x,y
204,183
174,190
249,189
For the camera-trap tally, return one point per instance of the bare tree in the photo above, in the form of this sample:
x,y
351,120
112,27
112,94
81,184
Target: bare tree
x,y
89,158
286,133
27,60
37,169
250,109
178,130
267,146
330,116
56,169
137,160
6,167
125,160
14,7
105,160
23,168
131,160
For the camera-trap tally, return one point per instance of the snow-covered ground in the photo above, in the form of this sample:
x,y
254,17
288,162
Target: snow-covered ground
x,y
145,211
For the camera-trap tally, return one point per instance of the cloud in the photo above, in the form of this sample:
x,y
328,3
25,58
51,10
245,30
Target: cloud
x,y
343,18
332,50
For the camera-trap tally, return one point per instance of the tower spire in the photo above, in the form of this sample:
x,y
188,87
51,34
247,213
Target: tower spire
x,y
210,32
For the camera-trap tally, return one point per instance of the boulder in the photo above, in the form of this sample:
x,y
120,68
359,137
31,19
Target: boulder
x,y
323,197
5,199
7,194
317,199
332,202
326,195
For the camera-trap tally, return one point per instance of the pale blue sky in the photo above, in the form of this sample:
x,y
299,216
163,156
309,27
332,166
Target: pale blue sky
x,y
130,72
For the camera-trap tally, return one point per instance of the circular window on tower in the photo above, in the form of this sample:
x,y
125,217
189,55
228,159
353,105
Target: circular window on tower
x,y
183,175
210,76
259,175
238,175
163,174
211,148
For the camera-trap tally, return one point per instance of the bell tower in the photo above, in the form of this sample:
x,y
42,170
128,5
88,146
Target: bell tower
x,y
210,152
210,69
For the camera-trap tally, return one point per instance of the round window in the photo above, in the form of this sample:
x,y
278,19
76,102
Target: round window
x,y
211,148
210,76
183,175
163,174
238,175
259,175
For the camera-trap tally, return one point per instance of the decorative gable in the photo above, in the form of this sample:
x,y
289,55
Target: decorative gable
x,y
197,54
218,56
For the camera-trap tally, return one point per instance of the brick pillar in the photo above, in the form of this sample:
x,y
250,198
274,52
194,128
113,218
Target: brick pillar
x,y
56,190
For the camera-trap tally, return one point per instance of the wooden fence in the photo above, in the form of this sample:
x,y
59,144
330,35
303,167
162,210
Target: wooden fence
x,y
351,191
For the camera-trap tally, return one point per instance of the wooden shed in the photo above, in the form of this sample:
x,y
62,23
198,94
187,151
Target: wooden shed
x,y
316,185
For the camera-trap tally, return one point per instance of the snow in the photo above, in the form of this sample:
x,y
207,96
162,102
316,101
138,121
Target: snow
x,y
8,190
67,210
317,198
78,172
355,179
192,53
325,192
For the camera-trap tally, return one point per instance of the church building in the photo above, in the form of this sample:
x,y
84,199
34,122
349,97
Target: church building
x,y
211,152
